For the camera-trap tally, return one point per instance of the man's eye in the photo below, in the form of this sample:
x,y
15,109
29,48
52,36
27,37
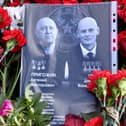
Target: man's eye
x,y
50,28
42,28
91,30
83,31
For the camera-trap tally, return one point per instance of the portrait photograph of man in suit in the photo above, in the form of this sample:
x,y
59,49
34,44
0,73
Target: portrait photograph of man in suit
x,y
46,33
42,58
87,32
85,53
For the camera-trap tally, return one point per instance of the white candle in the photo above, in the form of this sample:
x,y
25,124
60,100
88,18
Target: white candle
x,y
66,71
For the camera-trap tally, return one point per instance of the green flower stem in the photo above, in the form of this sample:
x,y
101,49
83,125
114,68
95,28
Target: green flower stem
x,y
11,59
5,53
120,104
104,102
118,109
116,103
4,73
123,109
106,122
115,124
29,122
2,120
14,83
100,101
1,72
4,80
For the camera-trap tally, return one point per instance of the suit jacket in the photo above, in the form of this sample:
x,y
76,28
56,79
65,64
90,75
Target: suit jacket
x,y
82,67
69,95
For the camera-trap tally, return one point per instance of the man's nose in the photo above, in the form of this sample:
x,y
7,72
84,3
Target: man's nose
x,y
48,30
87,32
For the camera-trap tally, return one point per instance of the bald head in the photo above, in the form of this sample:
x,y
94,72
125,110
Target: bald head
x,y
87,32
86,22
46,31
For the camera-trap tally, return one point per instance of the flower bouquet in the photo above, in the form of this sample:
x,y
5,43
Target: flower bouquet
x,y
15,111
23,111
110,89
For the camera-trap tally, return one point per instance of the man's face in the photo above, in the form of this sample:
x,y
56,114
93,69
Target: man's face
x,y
46,31
87,32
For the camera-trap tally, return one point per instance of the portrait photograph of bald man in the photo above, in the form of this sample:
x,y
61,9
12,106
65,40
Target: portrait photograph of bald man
x,y
87,32
46,33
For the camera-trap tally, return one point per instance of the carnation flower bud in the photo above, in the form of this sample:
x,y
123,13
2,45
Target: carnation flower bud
x,y
122,86
115,91
102,85
11,44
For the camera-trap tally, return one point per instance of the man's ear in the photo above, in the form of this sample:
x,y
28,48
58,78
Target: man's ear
x,y
98,30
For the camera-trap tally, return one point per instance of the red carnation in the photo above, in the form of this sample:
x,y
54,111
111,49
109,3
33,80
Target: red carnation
x,y
121,2
17,36
70,1
73,120
47,1
122,43
38,1
99,74
27,1
97,121
91,87
122,13
5,19
89,1
14,3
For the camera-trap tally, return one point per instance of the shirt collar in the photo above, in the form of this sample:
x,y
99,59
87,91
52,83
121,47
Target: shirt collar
x,y
85,51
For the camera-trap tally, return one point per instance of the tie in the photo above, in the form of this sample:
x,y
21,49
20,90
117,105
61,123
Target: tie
x,y
90,55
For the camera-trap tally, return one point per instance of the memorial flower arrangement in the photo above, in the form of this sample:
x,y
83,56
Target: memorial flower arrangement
x,y
16,111
108,88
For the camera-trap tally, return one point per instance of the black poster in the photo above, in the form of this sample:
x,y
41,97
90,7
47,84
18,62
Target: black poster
x,y
65,44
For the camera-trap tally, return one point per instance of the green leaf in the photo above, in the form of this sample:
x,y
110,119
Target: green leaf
x,y
36,98
39,107
2,98
16,121
10,44
43,120
19,102
19,109
2,120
